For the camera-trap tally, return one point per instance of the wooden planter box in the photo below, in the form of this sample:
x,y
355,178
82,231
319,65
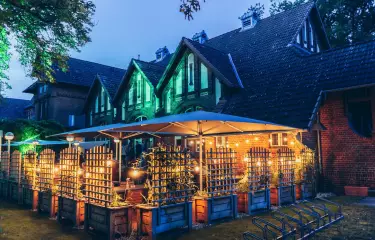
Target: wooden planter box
x,y
48,203
253,202
108,223
72,210
304,191
154,220
4,188
30,198
14,192
356,191
283,195
210,209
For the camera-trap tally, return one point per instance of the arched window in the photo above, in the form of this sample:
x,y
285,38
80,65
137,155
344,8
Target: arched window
x,y
204,76
190,69
139,88
131,91
179,82
102,100
141,118
168,102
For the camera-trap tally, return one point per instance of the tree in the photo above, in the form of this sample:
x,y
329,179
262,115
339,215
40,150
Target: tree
x,y
188,7
42,32
346,21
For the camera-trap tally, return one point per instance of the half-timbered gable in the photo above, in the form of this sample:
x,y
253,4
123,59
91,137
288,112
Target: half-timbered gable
x,y
135,97
99,109
198,77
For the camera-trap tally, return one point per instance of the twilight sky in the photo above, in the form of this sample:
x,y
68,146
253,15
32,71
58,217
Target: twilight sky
x,y
126,28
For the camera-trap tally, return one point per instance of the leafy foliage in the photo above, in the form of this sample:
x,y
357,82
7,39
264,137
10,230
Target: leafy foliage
x,y
43,32
188,7
346,21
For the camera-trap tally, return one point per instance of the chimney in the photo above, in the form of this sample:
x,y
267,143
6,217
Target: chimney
x,y
200,37
249,19
161,53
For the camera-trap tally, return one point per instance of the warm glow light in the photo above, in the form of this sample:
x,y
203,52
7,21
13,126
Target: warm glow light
x,y
270,140
285,139
191,142
247,140
256,139
246,159
292,142
116,140
57,169
135,173
76,143
227,145
258,163
70,138
196,169
198,142
9,136
237,144
63,166
210,143
298,160
101,170
37,170
109,163
269,162
79,171
87,175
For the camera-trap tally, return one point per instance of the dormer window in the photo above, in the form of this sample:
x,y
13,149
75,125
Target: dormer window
x,y
307,37
139,88
200,37
161,53
179,82
131,91
249,19
190,67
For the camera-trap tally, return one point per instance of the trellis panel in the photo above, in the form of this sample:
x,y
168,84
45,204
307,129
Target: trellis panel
x,y
171,176
46,170
15,167
69,173
99,176
258,168
4,166
29,170
286,166
220,168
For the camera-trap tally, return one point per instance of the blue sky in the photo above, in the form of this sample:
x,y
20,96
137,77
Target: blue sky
x,y
126,28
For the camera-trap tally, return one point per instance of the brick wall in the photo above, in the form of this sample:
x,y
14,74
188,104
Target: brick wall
x,y
348,159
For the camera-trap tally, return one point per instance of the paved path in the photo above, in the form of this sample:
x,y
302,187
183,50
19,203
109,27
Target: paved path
x,y
368,201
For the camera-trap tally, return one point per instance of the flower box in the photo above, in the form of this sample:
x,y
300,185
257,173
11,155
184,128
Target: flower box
x,y
72,210
356,191
283,195
207,209
108,222
154,220
48,203
252,202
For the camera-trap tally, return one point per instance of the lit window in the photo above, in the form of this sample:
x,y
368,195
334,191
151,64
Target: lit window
x,y
139,88
109,105
299,38
97,104
279,139
157,103
179,82
141,118
305,34
71,120
131,91
148,92
123,111
168,102
114,112
204,76
90,118
311,38
102,100
191,73
45,88
41,89
217,90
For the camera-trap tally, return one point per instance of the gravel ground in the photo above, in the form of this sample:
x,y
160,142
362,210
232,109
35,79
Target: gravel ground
x,y
18,224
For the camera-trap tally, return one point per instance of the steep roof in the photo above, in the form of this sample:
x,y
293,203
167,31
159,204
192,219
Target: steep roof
x,y
13,108
110,83
80,73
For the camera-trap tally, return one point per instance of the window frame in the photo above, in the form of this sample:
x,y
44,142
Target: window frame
x,y
280,139
190,73
204,75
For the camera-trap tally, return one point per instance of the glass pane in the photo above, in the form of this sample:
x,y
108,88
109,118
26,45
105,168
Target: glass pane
x,y
204,77
179,82
191,73
148,92
217,90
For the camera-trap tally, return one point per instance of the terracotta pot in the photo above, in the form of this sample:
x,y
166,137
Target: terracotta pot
x,y
356,191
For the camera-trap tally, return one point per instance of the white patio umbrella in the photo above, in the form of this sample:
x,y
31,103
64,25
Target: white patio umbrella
x,y
201,124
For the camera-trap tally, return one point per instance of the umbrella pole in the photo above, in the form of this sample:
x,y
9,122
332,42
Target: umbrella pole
x,y
200,163
120,158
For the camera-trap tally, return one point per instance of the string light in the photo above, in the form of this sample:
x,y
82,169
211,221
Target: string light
x,y
87,175
109,163
270,140
298,160
135,173
210,143
79,171
56,169
285,139
237,144
258,163
256,139
246,159
101,170
196,169
191,142
292,142
269,162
